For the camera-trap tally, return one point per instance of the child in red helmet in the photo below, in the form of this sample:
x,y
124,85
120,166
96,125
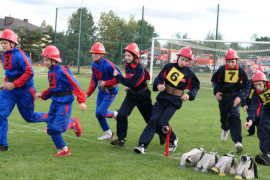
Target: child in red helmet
x,y
18,87
231,86
173,79
102,76
62,86
247,104
261,95
138,93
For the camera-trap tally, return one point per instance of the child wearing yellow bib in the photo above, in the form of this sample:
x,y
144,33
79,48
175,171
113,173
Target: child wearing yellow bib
x,y
173,79
261,95
247,104
231,86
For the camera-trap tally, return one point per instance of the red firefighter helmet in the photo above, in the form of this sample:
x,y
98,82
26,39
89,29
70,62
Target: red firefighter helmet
x,y
185,51
52,52
231,54
9,35
134,49
259,76
98,48
260,68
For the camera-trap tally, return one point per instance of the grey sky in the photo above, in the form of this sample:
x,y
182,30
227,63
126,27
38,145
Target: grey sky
x,y
238,19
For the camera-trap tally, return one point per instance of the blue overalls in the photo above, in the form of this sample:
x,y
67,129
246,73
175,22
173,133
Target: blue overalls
x,y
102,70
62,86
18,69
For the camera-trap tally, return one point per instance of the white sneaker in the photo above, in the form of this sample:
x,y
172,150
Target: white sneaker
x,y
239,147
106,136
173,146
224,135
140,149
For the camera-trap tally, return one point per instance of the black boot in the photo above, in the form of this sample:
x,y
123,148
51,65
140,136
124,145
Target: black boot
x,y
3,148
263,159
118,142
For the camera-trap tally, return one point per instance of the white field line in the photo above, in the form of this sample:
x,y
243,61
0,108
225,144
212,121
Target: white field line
x,y
37,130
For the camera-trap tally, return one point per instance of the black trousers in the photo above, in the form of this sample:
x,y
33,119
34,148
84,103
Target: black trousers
x,y
263,131
161,114
142,101
230,118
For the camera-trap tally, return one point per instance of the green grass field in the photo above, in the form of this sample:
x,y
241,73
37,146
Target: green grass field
x,y
196,124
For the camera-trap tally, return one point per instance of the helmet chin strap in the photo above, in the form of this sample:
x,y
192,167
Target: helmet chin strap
x,y
52,63
10,43
265,86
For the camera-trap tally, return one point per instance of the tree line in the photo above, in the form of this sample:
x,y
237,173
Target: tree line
x,y
113,31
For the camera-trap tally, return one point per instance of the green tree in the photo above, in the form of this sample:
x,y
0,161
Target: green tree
x,y
212,36
115,33
263,46
214,46
131,30
110,33
148,34
31,42
69,46
263,39
48,38
178,35
61,37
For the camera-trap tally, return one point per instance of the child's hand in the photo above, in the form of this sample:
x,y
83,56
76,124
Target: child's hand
x,y
115,72
83,106
218,96
126,88
185,97
245,108
161,87
236,101
8,86
247,125
102,84
38,95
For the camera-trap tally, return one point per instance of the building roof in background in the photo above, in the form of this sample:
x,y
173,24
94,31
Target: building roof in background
x,y
14,23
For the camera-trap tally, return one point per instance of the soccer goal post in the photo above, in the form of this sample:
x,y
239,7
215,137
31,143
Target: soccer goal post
x,y
207,56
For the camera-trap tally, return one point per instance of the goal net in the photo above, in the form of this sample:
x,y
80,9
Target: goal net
x,y
207,56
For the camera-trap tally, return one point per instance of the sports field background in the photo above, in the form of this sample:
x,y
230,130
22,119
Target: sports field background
x,y
196,124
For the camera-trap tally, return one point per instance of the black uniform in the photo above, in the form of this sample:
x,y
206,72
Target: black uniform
x,y
231,83
247,103
263,131
138,95
166,105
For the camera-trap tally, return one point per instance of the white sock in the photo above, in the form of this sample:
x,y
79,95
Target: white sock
x,y
115,114
109,132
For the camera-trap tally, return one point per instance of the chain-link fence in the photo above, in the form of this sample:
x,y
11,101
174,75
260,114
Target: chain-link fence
x,y
208,55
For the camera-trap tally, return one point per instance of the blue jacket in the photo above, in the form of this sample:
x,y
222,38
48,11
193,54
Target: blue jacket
x,y
18,68
102,70
61,80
